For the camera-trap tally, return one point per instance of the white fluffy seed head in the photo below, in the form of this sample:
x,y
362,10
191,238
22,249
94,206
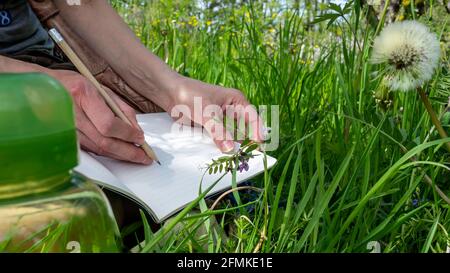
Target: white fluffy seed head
x,y
410,52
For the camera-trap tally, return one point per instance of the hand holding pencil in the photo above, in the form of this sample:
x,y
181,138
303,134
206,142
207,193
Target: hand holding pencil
x,y
57,37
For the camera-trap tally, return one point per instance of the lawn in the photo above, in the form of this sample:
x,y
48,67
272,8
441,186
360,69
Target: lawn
x,y
360,168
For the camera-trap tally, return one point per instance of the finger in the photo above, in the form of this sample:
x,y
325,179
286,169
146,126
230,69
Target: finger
x,y
93,140
244,110
87,144
106,122
221,137
125,151
127,109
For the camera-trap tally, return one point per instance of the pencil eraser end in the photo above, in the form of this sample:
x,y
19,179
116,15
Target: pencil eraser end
x,y
56,36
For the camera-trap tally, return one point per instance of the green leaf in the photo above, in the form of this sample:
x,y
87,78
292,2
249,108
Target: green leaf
x,y
325,17
251,148
430,236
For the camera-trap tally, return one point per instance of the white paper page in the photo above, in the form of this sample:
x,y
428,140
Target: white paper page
x,y
167,188
94,170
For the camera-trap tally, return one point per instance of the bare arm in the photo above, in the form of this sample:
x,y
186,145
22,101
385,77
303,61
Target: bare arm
x,y
109,36
15,66
101,27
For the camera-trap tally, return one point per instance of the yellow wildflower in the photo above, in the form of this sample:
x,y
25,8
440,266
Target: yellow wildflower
x,y
193,21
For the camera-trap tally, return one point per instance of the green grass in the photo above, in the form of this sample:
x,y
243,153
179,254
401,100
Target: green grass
x,y
344,176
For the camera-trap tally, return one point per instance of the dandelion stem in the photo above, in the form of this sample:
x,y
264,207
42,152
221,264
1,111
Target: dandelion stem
x,y
433,116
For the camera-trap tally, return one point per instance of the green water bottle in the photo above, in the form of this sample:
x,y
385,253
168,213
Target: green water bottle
x,y
44,205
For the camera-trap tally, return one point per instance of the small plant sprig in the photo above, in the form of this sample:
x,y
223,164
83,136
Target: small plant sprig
x,y
238,160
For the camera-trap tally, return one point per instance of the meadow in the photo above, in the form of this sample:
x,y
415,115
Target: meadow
x,y
360,169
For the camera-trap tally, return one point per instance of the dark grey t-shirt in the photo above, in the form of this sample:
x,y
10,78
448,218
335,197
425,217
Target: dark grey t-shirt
x,y
21,30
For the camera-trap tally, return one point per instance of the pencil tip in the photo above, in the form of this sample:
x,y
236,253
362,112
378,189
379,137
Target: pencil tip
x,y
157,161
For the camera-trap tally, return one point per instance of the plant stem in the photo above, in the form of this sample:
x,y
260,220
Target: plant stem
x,y
433,116
383,17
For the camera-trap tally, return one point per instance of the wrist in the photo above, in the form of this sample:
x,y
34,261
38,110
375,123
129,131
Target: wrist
x,y
162,88
182,92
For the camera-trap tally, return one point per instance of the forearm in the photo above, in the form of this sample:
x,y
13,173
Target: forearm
x,y
9,65
109,36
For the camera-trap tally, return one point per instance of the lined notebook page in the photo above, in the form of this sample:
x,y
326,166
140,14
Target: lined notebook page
x,y
184,153
93,169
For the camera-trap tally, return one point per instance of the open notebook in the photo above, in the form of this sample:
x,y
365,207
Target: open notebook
x,y
164,190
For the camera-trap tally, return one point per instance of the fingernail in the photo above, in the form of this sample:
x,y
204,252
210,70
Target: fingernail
x,y
228,146
264,133
141,139
147,161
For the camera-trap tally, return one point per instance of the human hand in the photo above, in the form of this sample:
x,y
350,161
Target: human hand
x,y
227,101
99,130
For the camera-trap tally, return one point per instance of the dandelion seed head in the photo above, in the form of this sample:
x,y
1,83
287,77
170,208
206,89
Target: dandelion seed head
x,y
410,52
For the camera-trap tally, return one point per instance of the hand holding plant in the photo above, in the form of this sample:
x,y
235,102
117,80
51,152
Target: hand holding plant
x,y
238,160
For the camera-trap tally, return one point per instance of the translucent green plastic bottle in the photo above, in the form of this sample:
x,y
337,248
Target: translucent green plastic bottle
x,y
44,205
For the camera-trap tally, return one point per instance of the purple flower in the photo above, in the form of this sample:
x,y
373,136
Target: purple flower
x,y
243,166
415,203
